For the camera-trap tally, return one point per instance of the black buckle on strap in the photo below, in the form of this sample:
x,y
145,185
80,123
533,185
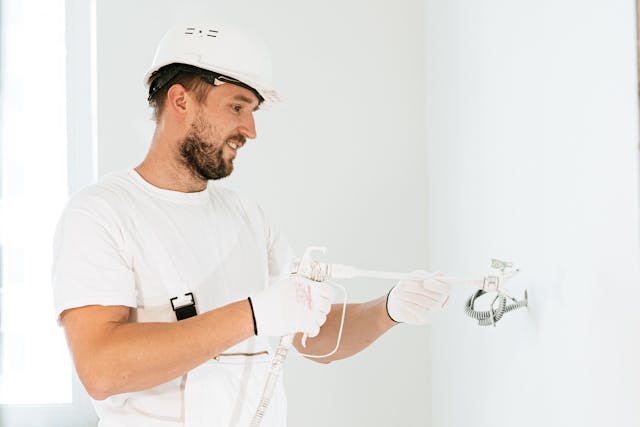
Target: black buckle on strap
x,y
186,310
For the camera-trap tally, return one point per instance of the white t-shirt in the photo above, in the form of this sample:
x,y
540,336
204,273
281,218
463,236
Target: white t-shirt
x,y
126,242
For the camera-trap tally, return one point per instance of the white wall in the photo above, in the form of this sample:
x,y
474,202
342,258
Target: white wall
x,y
532,156
341,164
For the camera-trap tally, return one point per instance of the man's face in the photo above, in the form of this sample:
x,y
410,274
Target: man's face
x,y
220,127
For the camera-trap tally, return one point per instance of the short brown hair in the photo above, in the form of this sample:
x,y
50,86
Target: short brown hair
x,y
192,82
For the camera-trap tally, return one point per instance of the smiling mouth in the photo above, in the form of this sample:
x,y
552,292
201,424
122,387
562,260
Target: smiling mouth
x,y
235,143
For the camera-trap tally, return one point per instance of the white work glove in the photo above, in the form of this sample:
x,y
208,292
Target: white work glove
x,y
416,301
292,304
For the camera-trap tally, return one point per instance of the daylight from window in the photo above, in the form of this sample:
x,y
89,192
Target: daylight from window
x,y
34,362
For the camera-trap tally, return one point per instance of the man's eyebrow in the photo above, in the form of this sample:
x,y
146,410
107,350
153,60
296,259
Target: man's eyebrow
x,y
247,100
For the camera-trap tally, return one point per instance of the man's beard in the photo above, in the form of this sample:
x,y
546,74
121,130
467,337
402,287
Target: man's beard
x,y
204,159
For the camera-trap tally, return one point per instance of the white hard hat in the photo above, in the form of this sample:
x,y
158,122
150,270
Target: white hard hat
x,y
231,54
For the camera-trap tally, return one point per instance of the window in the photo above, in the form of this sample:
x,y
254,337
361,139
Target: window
x,y
36,375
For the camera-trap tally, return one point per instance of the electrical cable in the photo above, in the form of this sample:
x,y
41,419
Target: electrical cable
x,y
493,314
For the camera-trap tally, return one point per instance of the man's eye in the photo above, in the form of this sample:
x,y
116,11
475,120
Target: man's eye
x,y
237,108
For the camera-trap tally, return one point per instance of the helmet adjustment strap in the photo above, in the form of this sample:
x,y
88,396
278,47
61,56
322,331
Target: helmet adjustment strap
x,y
169,72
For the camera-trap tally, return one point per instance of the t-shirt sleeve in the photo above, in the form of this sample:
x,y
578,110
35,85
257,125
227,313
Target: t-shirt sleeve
x,y
89,263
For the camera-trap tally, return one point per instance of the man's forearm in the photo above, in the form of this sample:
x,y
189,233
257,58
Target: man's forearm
x,y
114,356
363,324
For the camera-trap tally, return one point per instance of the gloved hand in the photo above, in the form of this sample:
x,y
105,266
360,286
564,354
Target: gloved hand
x,y
415,301
292,304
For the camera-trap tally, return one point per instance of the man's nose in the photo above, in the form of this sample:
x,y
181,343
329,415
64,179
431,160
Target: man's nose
x,y
248,127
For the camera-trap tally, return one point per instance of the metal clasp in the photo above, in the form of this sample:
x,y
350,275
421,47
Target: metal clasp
x,y
491,284
186,310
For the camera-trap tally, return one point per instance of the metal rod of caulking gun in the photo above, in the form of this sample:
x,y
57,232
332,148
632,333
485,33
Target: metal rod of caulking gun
x,y
339,271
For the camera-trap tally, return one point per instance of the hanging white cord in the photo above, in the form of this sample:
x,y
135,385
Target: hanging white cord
x,y
272,379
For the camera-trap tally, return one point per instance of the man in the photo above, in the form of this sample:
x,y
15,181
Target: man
x,y
168,286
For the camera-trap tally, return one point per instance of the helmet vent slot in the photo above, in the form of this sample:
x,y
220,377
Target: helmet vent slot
x,y
193,30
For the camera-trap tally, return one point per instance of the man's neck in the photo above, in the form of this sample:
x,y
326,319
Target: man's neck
x,y
161,169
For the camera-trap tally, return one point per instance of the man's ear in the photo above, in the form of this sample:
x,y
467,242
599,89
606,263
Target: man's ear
x,y
177,100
